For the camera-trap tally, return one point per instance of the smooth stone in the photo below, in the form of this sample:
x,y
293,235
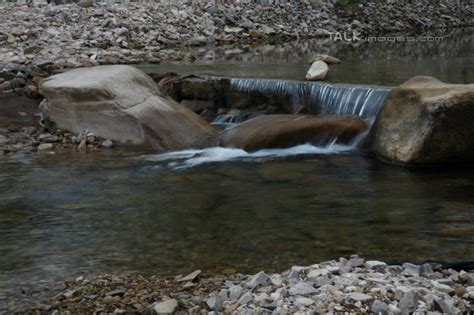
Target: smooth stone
x,y
317,71
166,307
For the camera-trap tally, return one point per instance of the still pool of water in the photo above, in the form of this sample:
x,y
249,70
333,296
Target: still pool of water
x,y
65,215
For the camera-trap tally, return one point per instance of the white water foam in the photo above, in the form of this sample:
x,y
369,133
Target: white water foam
x,y
191,158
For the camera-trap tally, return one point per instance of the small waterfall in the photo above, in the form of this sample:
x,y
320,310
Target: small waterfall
x,y
231,118
319,98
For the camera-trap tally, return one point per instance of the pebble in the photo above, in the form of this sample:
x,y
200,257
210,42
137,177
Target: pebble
x,y
166,307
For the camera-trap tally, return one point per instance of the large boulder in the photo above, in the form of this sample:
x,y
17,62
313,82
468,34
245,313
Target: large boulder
x,y
123,104
425,121
283,131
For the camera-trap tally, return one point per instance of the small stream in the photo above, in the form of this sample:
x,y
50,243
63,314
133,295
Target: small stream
x,y
218,209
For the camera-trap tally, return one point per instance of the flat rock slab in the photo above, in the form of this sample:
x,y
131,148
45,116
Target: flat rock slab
x,y
284,131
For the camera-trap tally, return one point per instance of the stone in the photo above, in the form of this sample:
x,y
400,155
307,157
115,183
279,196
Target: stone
x,y
375,265
283,131
425,121
302,301
44,147
315,273
359,297
379,307
426,270
123,104
166,307
443,306
245,298
409,302
215,302
326,58
190,277
356,261
411,269
258,280
235,292
107,144
302,288
317,71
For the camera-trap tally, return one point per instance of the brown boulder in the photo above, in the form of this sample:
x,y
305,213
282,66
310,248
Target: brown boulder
x,y
123,104
425,121
283,131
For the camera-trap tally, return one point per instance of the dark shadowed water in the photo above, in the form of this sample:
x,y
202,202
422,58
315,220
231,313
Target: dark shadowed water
x,y
62,216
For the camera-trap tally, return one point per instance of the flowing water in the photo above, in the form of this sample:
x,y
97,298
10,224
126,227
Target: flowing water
x,y
218,209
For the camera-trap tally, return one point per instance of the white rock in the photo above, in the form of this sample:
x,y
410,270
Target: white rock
x,y
302,301
375,265
302,288
411,269
379,307
235,292
260,279
317,71
247,297
215,302
317,273
166,307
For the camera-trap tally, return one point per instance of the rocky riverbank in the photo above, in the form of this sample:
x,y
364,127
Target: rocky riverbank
x,y
89,33
345,285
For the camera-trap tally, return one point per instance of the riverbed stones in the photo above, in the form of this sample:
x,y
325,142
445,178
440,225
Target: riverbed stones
x,y
361,290
123,104
318,71
425,121
283,131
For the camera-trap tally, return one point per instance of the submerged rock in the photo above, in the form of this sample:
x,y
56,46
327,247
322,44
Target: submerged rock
x,y
123,104
284,131
425,121
326,58
318,71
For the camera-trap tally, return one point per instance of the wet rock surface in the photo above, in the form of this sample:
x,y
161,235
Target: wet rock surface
x,y
343,285
283,131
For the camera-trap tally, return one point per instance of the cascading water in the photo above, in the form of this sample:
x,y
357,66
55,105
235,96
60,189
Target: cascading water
x,y
320,98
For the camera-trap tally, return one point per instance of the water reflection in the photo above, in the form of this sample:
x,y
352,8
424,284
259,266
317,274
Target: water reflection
x,y
380,63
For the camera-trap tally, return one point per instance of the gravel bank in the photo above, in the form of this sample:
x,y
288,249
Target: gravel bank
x,y
90,33
345,285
